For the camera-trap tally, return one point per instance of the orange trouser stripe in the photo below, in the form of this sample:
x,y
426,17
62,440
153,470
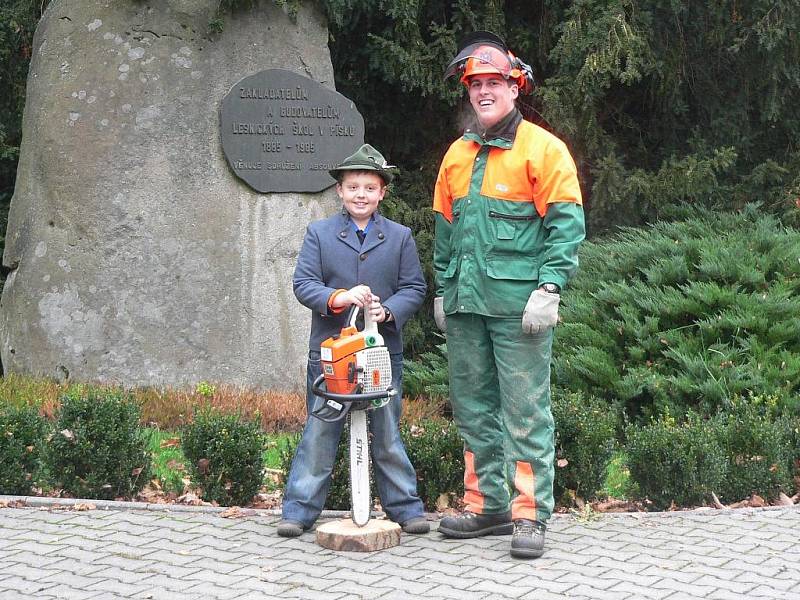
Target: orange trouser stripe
x,y
473,497
524,505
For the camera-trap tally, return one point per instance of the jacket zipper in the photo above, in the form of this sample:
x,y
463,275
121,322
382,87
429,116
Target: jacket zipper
x,y
498,215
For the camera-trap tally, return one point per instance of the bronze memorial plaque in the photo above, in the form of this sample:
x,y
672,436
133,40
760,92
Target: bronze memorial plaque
x,y
282,132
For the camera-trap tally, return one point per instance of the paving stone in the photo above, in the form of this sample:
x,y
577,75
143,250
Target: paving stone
x,y
177,555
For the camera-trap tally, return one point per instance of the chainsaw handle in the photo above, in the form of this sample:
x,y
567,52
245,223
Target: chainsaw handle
x,y
318,390
352,315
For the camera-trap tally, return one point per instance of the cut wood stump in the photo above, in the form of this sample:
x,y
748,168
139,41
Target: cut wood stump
x,y
347,536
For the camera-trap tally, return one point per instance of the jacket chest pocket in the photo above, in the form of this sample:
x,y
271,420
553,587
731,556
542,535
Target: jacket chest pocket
x,y
509,228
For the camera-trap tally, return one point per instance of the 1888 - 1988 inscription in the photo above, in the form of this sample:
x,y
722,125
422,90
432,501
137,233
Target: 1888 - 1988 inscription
x,y
282,132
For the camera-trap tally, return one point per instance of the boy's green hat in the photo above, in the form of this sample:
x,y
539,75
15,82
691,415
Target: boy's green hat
x,y
365,158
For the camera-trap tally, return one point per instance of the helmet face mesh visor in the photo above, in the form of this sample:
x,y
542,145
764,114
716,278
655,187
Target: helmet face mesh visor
x,y
480,57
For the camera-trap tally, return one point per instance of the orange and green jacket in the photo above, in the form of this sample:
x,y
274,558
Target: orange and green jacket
x,y
509,216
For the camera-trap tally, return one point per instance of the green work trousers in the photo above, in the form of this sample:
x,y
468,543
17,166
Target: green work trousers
x,y
500,392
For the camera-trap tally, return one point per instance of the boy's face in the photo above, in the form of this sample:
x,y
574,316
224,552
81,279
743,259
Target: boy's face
x,y
361,191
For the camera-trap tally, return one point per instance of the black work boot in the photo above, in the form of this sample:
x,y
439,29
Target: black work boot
x,y
528,539
471,525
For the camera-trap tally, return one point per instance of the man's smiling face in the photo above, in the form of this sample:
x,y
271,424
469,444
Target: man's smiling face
x,y
492,98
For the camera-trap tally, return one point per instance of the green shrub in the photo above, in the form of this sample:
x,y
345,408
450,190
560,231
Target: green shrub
x,y
97,449
759,449
224,456
585,440
428,375
676,463
436,450
22,431
684,315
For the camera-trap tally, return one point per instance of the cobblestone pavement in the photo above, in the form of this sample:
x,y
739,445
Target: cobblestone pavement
x,y
119,551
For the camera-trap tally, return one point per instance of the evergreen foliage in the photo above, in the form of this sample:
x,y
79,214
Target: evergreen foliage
x,y
97,448
22,431
224,455
428,374
686,314
585,440
436,450
747,449
758,445
676,463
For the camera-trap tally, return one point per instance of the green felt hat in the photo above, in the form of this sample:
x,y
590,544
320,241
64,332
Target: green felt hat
x,y
365,158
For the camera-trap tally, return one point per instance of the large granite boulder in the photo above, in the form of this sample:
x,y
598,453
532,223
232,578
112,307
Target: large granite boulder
x,y
136,256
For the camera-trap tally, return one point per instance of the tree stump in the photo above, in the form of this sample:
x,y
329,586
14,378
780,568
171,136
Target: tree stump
x,y
344,535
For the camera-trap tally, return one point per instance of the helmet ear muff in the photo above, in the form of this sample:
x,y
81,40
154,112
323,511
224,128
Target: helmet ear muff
x,y
523,73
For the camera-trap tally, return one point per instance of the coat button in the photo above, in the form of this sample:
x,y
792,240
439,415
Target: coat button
x,y
380,236
363,257
343,234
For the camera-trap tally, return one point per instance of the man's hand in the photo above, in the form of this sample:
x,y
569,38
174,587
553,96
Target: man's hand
x,y
438,314
359,295
541,312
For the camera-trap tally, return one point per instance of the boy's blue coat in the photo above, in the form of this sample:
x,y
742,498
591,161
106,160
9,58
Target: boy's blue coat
x,y
331,258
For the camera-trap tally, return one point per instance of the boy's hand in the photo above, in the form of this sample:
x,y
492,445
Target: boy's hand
x,y
360,295
376,310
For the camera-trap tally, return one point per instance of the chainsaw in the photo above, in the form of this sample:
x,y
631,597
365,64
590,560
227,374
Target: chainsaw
x,y
356,377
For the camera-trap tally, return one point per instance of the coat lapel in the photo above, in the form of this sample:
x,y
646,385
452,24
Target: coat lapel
x,y
375,234
346,232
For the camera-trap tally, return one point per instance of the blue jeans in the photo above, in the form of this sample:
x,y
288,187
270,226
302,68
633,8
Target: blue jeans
x,y
310,476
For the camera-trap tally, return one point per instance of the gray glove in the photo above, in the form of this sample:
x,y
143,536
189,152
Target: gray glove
x,y
438,314
541,312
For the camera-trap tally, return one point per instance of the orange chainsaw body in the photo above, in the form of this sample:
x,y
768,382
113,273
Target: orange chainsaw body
x,y
349,359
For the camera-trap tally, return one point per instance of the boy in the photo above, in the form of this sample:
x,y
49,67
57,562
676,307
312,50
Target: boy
x,y
356,257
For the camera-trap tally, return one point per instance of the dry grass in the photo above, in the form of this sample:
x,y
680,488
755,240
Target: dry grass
x,y
170,408
420,408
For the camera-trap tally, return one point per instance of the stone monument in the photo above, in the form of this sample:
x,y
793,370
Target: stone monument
x,y
138,253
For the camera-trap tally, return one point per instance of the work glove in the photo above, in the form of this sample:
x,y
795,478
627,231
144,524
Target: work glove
x,y
438,314
541,312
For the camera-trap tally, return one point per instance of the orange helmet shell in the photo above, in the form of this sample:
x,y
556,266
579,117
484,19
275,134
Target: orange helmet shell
x,y
488,59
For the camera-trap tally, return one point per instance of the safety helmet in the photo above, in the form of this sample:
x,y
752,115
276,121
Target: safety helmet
x,y
485,52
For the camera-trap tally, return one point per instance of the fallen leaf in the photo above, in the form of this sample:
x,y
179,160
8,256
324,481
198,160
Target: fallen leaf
x,y
67,434
561,463
176,465
442,502
757,501
83,506
234,512
716,501
190,499
171,443
785,500
136,472
202,466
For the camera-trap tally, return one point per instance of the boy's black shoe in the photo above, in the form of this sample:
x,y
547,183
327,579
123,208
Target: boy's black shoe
x,y
471,525
528,539
417,525
288,528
